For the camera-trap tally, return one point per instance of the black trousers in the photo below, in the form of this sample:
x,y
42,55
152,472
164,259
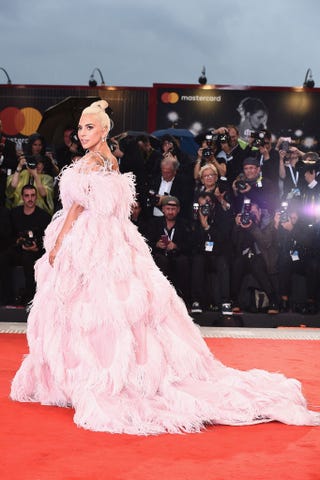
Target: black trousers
x,y
308,267
12,257
243,265
176,268
202,265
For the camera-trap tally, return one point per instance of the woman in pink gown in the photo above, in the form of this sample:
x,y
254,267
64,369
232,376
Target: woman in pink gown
x,y
107,333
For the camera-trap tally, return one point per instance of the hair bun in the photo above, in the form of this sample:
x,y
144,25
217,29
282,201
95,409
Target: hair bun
x,y
102,104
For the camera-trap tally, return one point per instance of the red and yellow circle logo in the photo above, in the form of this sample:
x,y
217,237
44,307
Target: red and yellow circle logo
x,y
23,121
169,97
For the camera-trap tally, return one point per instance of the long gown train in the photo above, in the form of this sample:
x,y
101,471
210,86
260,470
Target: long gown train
x,y
109,336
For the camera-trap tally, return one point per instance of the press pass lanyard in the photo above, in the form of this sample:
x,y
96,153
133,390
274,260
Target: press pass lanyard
x,y
171,233
295,177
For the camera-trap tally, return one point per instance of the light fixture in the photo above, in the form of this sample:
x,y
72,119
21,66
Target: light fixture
x,y
93,81
308,81
6,74
203,79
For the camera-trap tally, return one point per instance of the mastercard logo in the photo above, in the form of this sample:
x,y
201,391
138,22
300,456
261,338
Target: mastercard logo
x,y
23,121
169,97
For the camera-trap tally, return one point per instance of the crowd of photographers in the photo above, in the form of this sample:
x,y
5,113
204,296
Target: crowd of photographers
x,y
230,228
234,227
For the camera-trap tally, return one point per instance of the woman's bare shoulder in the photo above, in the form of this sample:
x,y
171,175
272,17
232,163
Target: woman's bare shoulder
x,y
95,161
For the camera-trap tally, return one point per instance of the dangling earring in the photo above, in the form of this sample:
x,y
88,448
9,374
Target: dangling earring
x,y
103,139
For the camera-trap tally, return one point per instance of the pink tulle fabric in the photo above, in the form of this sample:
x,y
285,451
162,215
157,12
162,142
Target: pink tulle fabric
x,y
109,337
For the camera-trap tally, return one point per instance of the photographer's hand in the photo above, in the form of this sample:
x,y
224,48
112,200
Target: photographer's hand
x,y
38,183
238,222
16,175
247,189
161,244
287,225
171,245
204,221
31,248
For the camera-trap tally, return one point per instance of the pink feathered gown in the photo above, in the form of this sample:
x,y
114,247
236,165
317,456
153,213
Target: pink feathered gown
x,y
109,337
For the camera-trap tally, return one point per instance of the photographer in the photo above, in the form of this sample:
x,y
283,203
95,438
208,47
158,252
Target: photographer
x,y
169,182
233,150
170,239
211,235
299,254
30,170
171,144
290,171
267,156
210,183
254,237
28,225
207,155
251,184
310,171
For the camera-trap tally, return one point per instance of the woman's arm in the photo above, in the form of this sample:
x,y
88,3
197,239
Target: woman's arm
x,y
282,169
15,177
221,167
71,217
38,182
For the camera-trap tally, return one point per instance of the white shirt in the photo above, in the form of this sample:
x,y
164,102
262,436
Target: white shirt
x,y
165,187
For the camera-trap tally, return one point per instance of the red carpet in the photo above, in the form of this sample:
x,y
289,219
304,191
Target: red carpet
x,y
42,443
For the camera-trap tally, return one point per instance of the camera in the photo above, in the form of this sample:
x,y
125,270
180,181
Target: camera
x,y
241,183
28,239
32,161
285,144
259,138
195,210
205,209
246,216
211,138
207,152
224,137
284,216
152,198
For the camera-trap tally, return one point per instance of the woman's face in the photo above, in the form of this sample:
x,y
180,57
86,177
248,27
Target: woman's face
x,y
40,167
90,132
36,147
209,178
258,119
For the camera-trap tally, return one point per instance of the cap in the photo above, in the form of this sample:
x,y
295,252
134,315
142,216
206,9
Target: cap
x,y
169,200
251,161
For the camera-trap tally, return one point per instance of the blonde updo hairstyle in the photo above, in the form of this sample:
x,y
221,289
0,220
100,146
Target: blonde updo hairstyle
x,y
207,166
99,110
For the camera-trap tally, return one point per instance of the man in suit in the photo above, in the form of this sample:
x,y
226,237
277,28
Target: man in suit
x,y
169,182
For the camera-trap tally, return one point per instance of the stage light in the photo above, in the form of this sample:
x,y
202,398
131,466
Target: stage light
x,y
203,79
7,75
308,81
93,81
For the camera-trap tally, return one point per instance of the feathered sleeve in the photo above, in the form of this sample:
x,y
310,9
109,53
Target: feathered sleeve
x,y
102,191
